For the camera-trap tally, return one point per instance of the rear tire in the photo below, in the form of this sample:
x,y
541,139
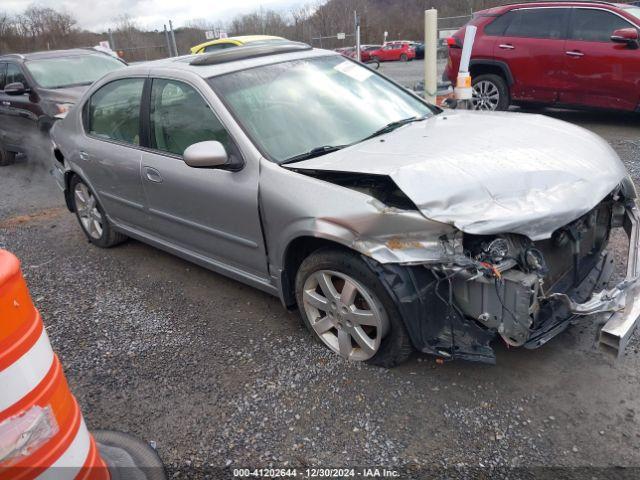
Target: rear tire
x,y
490,93
369,309
6,158
91,216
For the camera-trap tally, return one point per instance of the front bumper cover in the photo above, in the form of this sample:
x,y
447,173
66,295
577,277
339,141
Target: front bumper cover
x,y
441,331
619,305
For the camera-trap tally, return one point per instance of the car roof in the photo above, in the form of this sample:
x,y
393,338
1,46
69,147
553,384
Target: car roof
x,y
226,61
51,54
235,40
512,6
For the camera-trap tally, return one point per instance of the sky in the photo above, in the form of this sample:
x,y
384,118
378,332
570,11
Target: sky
x,y
99,15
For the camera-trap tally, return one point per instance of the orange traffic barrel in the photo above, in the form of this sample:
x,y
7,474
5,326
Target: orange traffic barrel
x,y
42,432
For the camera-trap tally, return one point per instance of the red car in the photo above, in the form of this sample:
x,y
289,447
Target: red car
x,y
394,51
553,53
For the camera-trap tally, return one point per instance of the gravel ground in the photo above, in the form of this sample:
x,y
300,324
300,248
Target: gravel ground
x,y
217,374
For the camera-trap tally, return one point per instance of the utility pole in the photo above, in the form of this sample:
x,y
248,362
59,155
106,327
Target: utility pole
x,y
357,33
173,39
112,44
431,55
166,37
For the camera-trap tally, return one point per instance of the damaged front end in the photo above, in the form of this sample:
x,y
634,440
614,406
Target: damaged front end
x,y
524,291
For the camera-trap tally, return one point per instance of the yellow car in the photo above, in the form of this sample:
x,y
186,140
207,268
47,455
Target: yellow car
x,y
222,43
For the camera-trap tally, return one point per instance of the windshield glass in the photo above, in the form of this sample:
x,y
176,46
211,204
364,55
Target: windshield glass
x,y
73,70
635,11
294,107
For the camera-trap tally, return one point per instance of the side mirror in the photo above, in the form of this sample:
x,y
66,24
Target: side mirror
x,y
627,36
16,88
206,155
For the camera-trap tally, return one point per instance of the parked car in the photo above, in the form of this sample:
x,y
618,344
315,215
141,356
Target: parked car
x,y
365,52
394,51
389,223
419,48
36,88
230,42
554,53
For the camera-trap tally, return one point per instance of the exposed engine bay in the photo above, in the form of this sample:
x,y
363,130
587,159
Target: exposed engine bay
x,y
510,283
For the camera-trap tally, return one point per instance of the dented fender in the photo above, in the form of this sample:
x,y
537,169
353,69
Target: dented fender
x,y
294,205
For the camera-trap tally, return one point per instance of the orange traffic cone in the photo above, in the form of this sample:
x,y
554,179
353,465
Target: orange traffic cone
x,y
42,432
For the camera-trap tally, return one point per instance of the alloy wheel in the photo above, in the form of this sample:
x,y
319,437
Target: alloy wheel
x,y
87,208
344,314
486,96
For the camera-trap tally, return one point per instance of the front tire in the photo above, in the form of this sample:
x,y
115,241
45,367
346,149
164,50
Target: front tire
x,y
91,216
490,93
404,57
346,308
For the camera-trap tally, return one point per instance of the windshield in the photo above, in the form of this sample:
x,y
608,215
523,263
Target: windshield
x,y
635,11
73,70
291,108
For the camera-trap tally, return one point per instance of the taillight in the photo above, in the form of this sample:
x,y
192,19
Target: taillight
x,y
453,42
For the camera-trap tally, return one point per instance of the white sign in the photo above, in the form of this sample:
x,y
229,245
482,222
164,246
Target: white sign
x,y
341,36
209,35
105,44
223,34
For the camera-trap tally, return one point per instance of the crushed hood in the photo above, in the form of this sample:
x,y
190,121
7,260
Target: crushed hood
x,y
489,173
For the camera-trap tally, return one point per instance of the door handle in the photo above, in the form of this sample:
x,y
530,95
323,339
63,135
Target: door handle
x,y
575,53
152,175
83,155
506,46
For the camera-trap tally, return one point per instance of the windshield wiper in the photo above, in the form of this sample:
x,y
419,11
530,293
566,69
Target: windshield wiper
x,y
393,125
316,152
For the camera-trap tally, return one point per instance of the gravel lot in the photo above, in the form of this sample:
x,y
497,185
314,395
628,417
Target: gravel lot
x,y
217,374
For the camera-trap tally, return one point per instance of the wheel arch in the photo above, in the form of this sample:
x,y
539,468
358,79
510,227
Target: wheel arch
x,y
295,252
496,67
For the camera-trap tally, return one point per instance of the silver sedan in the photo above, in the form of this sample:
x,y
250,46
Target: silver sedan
x,y
392,225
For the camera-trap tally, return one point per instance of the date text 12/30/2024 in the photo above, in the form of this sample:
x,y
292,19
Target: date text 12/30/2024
x,y
315,473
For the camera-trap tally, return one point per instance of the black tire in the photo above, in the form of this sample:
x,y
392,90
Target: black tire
x,y
6,158
109,237
395,347
501,86
404,57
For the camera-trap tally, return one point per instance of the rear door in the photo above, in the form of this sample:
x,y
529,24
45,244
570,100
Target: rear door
x,y
600,73
533,48
110,159
209,212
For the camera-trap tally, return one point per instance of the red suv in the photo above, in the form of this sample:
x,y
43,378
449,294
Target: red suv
x,y
554,53
393,51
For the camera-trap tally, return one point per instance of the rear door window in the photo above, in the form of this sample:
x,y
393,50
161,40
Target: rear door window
x,y
590,25
538,23
180,118
114,111
500,24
